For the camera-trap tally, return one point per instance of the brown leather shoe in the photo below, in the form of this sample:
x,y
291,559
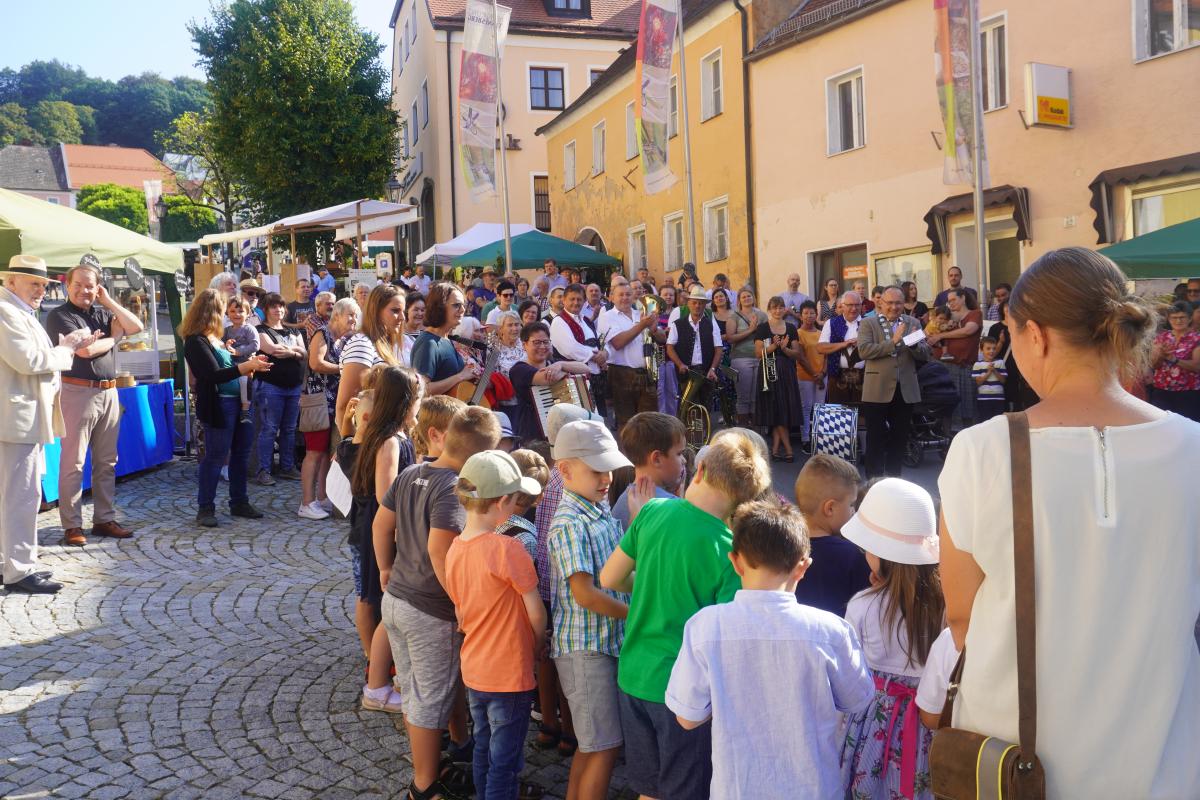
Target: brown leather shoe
x,y
74,536
112,529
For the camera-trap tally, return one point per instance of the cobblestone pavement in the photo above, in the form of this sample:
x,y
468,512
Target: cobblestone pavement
x,y
191,662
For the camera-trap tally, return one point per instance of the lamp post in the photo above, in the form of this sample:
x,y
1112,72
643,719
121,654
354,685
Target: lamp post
x,y
160,213
394,188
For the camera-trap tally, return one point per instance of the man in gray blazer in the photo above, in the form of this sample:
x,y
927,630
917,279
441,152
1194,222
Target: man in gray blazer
x,y
890,388
29,383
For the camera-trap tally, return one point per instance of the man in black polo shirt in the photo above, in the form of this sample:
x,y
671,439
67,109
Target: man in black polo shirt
x,y
90,409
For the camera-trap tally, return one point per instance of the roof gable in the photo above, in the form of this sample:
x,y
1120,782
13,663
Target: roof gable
x,y
32,169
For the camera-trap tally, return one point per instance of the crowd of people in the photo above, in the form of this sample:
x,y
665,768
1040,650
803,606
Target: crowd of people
x,y
664,601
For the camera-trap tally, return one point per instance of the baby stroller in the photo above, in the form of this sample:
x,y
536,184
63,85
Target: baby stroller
x,y
930,427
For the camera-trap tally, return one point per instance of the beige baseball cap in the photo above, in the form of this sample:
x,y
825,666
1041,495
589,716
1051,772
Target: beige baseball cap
x,y
493,473
563,413
591,443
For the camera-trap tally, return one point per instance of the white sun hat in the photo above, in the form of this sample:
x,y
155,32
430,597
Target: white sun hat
x,y
896,523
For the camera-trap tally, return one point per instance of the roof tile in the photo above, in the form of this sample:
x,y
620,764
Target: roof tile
x,y
125,166
31,168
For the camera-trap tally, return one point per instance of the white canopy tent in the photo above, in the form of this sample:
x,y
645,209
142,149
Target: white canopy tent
x,y
478,235
340,215
351,230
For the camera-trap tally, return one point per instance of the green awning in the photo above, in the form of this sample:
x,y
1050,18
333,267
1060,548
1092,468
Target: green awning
x,y
530,250
61,235
1172,252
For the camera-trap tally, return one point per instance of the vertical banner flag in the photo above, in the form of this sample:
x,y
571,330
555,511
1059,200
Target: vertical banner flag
x,y
952,65
478,97
655,45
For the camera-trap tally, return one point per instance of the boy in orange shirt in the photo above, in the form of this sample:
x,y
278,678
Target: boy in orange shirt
x,y
493,584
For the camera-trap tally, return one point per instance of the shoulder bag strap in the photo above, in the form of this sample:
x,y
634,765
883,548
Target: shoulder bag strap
x,y
1022,494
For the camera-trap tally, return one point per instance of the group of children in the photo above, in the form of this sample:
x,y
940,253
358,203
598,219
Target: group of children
x,y
734,645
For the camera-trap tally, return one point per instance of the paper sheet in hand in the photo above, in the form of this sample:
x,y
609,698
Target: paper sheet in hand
x,y
916,337
337,488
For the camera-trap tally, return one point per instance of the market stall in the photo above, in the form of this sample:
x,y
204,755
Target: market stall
x,y
530,251
1171,252
478,235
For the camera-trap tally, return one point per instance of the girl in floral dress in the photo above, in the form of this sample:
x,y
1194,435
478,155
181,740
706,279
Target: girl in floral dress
x,y
886,752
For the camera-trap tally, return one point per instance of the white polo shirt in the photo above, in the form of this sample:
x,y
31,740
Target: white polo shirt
x,y
612,323
851,333
697,353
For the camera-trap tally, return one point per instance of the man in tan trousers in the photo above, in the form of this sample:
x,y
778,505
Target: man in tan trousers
x,y
29,367
89,402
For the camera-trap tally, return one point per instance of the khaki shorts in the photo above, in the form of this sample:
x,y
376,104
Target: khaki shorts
x,y
589,682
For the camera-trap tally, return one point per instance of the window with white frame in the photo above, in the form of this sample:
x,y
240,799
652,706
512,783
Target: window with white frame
x,y
1164,26
844,111
711,99
716,229
594,75
598,148
673,103
637,248
993,55
673,241
425,103
631,142
405,44
569,165
412,37
1163,204
406,146
414,122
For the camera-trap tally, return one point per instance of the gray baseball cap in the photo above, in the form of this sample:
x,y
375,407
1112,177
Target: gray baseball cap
x,y
591,443
493,473
563,413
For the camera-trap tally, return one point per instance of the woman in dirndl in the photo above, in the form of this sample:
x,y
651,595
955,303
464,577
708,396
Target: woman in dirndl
x,y
778,406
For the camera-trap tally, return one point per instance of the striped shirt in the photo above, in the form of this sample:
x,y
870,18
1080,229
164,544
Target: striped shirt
x,y
544,515
582,537
360,350
992,388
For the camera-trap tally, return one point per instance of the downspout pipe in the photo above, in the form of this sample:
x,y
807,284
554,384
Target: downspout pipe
x,y
749,160
450,125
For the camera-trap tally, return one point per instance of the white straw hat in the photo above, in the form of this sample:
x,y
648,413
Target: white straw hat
x,y
896,523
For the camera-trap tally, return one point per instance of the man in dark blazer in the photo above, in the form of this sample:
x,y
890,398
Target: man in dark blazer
x,y
890,388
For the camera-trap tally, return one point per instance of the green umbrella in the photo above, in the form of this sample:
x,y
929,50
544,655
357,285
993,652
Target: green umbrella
x,y
1172,252
530,251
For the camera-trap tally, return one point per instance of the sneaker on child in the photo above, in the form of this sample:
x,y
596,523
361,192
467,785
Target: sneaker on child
x,y
312,511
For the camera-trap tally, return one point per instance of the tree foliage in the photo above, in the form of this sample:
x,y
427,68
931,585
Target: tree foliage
x,y
120,205
186,221
56,121
131,112
195,135
14,125
303,102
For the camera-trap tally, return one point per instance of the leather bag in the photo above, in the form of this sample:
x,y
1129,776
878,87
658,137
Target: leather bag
x,y
965,765
314,412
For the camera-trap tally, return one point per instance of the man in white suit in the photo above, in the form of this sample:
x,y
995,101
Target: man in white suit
x,y
29,384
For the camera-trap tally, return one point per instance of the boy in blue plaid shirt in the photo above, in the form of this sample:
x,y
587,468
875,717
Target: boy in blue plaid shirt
x,y
588,620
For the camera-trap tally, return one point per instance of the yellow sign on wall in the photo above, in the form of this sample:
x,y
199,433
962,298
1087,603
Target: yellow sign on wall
x,y
1054,111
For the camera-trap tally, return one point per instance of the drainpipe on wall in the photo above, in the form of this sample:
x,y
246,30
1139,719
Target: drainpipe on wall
x,y
450,119
746,139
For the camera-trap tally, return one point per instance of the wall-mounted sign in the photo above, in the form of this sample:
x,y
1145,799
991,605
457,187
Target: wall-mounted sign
x,y
1048,95
850,273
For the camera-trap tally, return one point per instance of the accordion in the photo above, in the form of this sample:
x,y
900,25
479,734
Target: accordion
x,y
572,389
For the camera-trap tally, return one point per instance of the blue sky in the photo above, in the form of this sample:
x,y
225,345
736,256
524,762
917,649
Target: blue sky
x,y
114,38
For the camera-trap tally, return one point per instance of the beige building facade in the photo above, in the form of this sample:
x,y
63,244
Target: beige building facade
x,y
553,51
846,134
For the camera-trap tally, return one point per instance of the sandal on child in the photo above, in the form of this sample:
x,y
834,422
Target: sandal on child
x,y
436,791
530,791
567,746
454,778
385,699
547,738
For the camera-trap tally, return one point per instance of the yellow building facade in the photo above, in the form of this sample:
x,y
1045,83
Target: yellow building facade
x,y
596,180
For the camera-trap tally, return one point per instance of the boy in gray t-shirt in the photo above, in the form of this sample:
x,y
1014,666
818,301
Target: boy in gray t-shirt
x,y
419,617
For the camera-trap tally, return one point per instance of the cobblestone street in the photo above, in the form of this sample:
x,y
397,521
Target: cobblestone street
x,y
188,662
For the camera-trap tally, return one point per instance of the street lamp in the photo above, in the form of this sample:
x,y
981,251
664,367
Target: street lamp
x,y
160,213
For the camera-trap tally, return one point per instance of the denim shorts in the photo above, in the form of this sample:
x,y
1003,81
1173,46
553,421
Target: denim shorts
x,y
662,760
589,681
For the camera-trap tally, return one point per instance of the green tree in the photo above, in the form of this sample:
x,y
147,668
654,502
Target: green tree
x,y
194,135
120,205
14,126
186,221
48,80
303,102
56,121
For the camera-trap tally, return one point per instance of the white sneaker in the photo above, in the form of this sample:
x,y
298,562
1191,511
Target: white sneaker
x,y
225,474
326,504
312,511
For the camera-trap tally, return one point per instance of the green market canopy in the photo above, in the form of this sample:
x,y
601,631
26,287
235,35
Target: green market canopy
x,y
530,250
1171,252
61,235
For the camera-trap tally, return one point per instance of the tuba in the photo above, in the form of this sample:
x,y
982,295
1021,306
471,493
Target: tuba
x,y
651,305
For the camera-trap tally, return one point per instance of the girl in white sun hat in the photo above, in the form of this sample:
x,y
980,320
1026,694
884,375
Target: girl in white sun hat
x,y
886,752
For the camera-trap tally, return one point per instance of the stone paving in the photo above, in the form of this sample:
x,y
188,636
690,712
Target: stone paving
x,y
190,662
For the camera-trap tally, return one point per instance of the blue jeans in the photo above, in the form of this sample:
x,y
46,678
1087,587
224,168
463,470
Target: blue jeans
x,y
231,441
501,722
279,412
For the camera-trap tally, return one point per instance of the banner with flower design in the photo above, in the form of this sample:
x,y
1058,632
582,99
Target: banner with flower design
x,y
655,49
479,97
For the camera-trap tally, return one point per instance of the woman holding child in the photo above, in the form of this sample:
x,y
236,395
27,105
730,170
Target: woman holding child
x,y
1116,552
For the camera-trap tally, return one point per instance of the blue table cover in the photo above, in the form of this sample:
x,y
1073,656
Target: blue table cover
x,y
147,435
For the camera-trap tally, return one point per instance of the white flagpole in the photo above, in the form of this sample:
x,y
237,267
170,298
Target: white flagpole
x,y
687,146
508,262
976,149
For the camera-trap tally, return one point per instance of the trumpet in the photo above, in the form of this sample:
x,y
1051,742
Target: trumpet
x,y
770,371
651,355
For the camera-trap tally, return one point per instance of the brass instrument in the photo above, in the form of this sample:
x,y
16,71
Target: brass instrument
x,y
651,305
770,371
696,423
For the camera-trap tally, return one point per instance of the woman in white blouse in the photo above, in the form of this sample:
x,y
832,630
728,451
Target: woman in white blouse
x,y
381,340
1116,548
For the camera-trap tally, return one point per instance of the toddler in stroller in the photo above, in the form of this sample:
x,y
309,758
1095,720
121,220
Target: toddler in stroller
x,y
930,428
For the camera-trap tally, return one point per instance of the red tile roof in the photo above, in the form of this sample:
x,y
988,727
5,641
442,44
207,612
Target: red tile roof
x,y
608,19
126,166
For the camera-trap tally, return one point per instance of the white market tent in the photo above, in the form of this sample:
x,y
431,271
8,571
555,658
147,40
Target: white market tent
x,y
390,221
478,235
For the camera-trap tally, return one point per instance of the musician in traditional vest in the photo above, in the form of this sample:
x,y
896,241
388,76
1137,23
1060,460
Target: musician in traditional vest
x,y
623,327
839,344
694,342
